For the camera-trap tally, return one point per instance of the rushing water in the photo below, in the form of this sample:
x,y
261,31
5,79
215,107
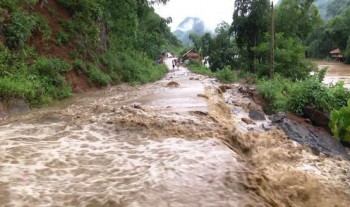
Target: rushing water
x,y
54,164
92,153
157,145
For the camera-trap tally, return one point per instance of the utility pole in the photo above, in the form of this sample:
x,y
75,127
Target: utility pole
x,y
272,49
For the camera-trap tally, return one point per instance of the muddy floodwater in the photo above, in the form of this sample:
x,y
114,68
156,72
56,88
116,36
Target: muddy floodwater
x,y
336,72
171,143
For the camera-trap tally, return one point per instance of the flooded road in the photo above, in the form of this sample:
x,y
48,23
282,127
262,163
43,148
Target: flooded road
x,y
115,148
170,143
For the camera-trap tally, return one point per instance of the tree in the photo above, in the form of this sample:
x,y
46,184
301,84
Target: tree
x,y
250,22
347,52
297,18
290,58
336,7
222,48
338,29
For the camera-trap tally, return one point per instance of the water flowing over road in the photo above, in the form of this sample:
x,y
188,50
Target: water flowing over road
x,y
169,143
147,146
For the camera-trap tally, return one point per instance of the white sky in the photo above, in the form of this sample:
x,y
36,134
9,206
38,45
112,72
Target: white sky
x,y
212,12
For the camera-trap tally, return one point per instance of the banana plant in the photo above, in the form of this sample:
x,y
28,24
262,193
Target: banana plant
x,y
340,123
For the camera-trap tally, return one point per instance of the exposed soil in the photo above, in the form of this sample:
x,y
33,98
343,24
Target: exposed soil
x,y
54,13
49,48
79,83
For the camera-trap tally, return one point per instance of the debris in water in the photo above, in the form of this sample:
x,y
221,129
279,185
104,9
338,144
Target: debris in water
x,y
173,84
203,96
248,121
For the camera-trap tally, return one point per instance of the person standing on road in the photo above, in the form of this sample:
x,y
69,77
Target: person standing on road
x,y
173,63
178,64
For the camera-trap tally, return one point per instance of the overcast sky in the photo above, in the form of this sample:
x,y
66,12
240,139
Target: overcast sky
x,y
212,12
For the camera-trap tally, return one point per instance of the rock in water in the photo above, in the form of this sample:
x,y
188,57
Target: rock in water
x,y
18,107
248,121
256,115
318,139
173,84
317,117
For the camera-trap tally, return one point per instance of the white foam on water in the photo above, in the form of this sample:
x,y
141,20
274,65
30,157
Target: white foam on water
x,y
54,164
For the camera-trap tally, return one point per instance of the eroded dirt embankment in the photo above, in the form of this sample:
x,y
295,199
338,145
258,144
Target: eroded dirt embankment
x,y
160,145
285,172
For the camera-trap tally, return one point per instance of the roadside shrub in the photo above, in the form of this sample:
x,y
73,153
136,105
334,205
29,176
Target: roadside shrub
x,y
226,75
16,87
51,67
4,58
49,72
339,95
43,27
340,123
275,91
111,65
62,38
79,66
136,69
19,30
309,92
97,76
200,69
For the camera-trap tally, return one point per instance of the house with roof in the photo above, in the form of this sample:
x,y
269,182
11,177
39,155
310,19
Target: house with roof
x,y
337,55
192,55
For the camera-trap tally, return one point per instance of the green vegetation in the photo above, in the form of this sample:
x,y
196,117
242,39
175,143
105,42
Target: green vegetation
x,y
225,75
107,41
283,94
340,123
245,48
332,33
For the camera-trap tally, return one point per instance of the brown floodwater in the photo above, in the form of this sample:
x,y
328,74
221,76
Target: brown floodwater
x,y
170,143
121,147
335,72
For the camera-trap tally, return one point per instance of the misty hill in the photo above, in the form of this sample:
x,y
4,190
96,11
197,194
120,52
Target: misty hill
x,y
329,8
187,26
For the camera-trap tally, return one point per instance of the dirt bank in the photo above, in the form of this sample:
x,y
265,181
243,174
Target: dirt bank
x,y
294,175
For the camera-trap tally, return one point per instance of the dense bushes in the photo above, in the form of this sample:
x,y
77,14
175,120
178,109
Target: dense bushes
x,y
275,91
135,69
97,76
106,41
289,58
340,123
19,30
225,75
283,94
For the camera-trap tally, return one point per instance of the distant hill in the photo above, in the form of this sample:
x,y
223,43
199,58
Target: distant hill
x,y
329,8
322,7
187,26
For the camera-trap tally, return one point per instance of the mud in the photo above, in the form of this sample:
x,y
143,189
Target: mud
x,y
335,72
155,145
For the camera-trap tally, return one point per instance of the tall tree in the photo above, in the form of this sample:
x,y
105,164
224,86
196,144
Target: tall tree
x,y
297,18
250,22
347,52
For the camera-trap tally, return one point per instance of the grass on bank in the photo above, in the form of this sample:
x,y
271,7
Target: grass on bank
x,y
284,94
225,75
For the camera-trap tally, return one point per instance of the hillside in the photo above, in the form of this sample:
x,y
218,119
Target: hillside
x,y
330,8
187,26
51,48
